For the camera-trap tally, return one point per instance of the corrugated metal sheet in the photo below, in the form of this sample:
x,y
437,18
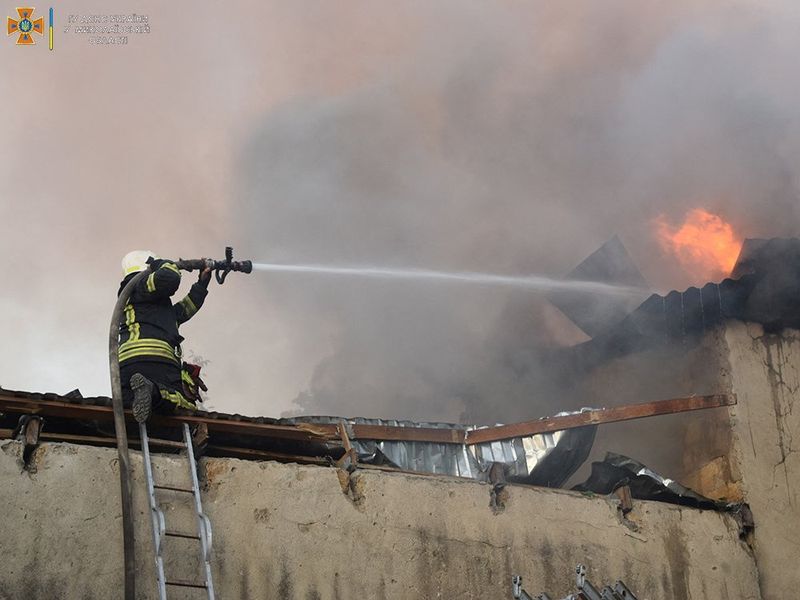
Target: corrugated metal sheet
x,y
522,457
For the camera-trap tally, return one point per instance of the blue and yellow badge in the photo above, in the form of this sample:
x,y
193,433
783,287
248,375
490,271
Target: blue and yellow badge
x,y
25,26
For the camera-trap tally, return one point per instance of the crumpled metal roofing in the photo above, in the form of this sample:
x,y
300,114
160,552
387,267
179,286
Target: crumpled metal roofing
x,y
542,459
616,470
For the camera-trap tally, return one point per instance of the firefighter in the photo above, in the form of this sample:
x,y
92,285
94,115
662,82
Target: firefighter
x,y
154,378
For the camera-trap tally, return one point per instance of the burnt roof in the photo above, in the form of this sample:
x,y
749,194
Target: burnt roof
x,y
766,291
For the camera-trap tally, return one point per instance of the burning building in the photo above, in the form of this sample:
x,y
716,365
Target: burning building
x,y
325,507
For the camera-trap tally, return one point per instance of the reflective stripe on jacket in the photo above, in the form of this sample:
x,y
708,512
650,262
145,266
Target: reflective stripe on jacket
x,y
149,331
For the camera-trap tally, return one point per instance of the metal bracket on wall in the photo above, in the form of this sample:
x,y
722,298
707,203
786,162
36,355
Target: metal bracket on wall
x,y
497,477
28,431
200,440
625,499
349,460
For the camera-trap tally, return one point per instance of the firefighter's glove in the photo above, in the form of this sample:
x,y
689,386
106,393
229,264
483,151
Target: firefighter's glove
x,y
204,278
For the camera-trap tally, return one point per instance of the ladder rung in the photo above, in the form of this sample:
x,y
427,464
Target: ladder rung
x,y
163,443
188,536
174,489
189,584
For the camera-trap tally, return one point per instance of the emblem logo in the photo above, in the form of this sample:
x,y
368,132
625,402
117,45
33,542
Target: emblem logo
x,y
25,26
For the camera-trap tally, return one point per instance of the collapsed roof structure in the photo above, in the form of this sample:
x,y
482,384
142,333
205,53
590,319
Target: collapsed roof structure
x,y
541,452
703,324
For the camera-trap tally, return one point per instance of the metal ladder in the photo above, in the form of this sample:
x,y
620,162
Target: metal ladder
x,y
157,516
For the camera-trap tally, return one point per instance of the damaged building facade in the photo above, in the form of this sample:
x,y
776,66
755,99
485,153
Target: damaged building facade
x,y
329,508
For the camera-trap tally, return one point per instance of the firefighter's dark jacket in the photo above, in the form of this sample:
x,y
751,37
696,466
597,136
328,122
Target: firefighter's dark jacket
x,y
150,329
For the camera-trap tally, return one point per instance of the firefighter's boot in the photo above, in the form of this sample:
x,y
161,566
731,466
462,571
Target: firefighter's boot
x,y
142,397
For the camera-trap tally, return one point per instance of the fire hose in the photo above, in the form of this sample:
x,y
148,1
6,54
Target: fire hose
x,y
221,269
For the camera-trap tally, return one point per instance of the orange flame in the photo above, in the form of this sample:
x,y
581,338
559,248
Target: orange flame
x,y
706,246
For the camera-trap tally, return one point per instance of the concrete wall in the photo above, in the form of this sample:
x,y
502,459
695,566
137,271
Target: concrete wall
x,y
765,375
745,453
291,532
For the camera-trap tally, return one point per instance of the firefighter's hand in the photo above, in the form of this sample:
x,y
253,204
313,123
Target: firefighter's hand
x,y
205,277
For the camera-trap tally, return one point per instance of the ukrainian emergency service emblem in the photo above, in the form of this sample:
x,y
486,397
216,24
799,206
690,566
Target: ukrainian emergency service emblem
x,y
25,26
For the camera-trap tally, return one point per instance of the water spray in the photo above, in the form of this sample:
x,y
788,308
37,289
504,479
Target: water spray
x,y
534,282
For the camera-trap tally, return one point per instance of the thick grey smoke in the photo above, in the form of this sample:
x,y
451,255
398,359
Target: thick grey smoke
x,y
497,137
512,143
510,140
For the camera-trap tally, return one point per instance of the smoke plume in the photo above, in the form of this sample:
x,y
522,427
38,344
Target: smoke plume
x,y
514,141
512,138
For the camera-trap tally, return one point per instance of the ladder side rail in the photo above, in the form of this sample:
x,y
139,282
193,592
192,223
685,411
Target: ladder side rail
x,y
156,515
203,524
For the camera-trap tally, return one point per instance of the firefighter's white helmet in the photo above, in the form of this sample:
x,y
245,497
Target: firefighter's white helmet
x,y
136,261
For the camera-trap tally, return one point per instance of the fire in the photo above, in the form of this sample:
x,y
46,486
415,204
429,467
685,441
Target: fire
x,y
706,245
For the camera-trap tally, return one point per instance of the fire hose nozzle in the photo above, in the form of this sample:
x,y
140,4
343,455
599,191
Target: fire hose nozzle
x,y
221,268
